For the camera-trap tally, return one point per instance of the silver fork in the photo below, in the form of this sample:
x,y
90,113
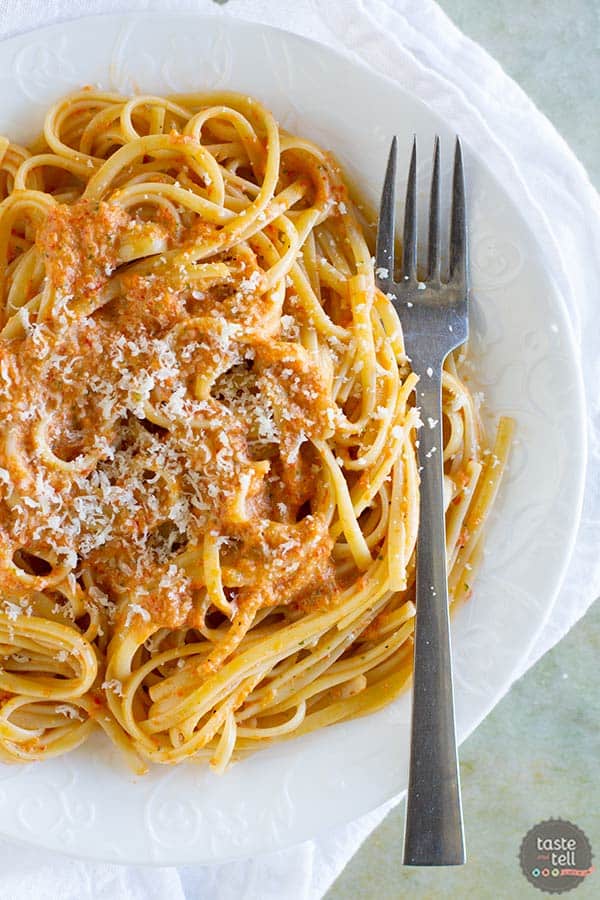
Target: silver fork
x,y
434,317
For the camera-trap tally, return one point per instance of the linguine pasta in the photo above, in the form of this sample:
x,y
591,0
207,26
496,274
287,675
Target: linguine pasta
x,y
208,483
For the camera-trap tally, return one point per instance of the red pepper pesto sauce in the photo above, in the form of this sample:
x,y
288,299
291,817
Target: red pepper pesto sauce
x,y
167,411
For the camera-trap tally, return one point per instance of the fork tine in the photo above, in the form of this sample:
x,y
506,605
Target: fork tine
x,y
458,227
384,253
409,246
433,261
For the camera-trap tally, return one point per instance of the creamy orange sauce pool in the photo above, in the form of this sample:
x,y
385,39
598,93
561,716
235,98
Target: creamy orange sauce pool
x,y
160,414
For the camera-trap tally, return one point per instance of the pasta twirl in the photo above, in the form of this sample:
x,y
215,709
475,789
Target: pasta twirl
x,y
208,484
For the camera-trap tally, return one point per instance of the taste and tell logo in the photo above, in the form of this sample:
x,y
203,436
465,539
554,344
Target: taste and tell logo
x,y
556,856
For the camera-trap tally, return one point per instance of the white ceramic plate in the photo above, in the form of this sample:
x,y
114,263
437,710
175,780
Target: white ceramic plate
x,y
87,804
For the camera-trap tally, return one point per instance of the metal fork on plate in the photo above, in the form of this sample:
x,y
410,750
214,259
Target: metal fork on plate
x,y
434,317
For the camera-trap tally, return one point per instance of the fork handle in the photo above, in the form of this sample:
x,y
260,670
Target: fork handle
x,y
434,827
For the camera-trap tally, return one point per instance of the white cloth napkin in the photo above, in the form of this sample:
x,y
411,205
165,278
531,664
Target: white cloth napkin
x,y
412,41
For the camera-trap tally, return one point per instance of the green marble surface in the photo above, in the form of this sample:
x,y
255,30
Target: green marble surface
x,y
538,754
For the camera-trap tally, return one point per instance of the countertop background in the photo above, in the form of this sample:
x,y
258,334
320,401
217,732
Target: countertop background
x,y
537,755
